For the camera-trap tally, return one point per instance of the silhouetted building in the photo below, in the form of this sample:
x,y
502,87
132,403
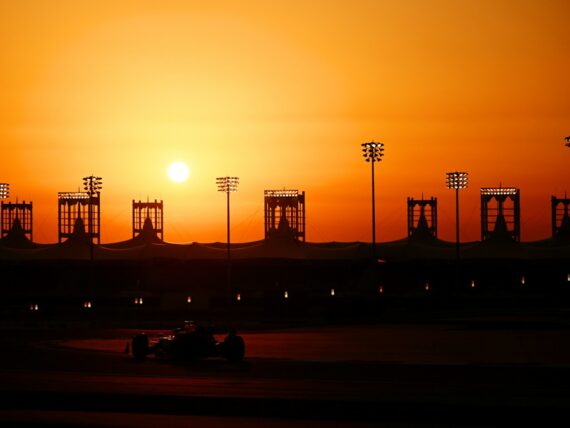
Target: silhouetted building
x,y
73,206
500,213
560,217
285,214
17,215
422,218
148,212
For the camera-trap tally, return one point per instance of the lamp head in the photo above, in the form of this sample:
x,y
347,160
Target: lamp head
x,y
456,180
372,151
4,190
227,184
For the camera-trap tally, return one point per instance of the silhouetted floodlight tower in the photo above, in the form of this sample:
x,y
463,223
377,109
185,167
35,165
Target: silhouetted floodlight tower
x,y
560,216
456,181
17,216
152,212
500,213
284,214
93,186
228,185
422,217
71,206
373,152
4,193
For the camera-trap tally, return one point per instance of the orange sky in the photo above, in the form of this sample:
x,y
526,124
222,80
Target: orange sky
x,y
282,94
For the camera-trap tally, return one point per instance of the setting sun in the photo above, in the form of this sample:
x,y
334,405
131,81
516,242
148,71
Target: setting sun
x,y
178,172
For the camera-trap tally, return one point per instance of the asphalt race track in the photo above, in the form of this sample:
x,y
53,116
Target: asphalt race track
x,y
460,374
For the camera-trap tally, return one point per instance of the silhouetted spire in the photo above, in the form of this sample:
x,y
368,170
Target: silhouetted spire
x,y
148,234
283,231
422,231
565,226
79,235
422,221
16,237
501,231
17,226
283,226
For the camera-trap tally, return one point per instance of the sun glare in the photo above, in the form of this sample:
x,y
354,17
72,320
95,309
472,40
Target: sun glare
x,y
178,172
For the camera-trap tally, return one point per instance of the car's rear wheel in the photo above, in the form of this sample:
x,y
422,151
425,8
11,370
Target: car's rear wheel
x,y
140,346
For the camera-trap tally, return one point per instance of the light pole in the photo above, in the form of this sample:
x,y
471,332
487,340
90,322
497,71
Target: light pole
x,y
456,180
228,185
4,193
373,153
92,186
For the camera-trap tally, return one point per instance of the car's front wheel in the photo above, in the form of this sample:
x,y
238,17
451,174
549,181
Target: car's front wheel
x,y
233,348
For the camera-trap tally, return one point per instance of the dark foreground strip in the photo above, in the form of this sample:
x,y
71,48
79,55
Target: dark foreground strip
x,y
453,414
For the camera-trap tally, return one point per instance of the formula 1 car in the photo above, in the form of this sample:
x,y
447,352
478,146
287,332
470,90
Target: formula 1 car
x,y
189,343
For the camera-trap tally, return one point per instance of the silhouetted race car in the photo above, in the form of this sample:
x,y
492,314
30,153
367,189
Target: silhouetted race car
x,y
189,343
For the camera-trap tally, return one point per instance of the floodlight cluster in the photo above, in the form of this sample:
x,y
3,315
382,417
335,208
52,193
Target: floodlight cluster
x,y
4,190
92,185
372,151
456,180
74,196
227,184
499,191
282,193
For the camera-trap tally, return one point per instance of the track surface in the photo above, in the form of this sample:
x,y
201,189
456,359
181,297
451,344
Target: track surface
x,y
392,375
